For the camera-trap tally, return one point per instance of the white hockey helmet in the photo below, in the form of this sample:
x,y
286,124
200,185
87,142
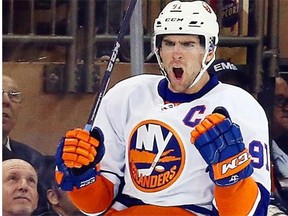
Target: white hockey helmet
x,y
194,18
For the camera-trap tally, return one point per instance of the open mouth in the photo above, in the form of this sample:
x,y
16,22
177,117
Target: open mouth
x,y
178,72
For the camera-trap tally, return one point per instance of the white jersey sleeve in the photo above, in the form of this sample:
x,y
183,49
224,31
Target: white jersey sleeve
x,y
147,139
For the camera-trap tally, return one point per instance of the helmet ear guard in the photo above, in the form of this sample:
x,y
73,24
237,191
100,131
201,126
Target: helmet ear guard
x,y
212,46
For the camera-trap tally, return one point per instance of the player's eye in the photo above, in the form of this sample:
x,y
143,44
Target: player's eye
x,y
188,44
169,43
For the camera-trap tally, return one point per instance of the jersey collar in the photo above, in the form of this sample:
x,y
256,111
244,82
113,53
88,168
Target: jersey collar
x,y
168,96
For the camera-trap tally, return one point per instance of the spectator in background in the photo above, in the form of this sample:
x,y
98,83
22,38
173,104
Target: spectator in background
x,y
19,188
279,147
280,126
11,106
59,202
228,72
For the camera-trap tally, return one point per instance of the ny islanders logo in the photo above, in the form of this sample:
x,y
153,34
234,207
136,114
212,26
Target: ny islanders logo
x,y
156,156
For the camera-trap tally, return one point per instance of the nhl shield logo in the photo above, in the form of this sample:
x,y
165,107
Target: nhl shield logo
x,y
156,156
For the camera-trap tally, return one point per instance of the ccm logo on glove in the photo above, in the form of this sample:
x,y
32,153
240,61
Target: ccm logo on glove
x,y
232,165
220,143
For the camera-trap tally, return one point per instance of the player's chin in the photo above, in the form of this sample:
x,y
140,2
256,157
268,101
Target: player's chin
x,y
178,87
179,80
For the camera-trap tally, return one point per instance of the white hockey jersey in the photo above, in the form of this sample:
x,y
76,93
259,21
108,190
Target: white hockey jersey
x,y
147,139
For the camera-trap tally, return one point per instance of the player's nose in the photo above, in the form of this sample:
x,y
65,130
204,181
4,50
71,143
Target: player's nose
x,y
177,52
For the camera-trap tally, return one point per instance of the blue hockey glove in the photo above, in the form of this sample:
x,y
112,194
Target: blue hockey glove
x,y
77,155
220,143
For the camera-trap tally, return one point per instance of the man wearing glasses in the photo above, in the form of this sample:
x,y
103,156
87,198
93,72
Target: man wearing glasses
x,y
280,126
11,106
279,147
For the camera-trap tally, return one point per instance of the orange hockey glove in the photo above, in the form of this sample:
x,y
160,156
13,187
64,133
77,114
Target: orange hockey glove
x,y
79,148
76,158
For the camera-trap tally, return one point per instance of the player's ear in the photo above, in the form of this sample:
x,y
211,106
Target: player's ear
x,y
210,55
52,197
160,52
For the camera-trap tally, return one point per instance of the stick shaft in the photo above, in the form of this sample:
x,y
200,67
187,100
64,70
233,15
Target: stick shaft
x,y
107,75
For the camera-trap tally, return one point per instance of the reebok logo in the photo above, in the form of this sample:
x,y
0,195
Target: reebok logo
x,y
87,182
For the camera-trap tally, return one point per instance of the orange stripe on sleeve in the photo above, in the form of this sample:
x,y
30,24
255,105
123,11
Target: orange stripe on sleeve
x,y
236,199
95,197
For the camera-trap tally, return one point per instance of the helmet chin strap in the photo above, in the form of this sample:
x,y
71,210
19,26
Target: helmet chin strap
x,y
203,68
160,64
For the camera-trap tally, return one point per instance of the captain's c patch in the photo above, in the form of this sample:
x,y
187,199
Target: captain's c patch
x,y
156,156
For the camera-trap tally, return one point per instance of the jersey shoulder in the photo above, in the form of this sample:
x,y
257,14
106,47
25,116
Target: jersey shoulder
x,y
136,83
239,102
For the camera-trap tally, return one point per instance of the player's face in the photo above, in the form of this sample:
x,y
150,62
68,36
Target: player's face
x,y
181,57
281,105
10,107
19,187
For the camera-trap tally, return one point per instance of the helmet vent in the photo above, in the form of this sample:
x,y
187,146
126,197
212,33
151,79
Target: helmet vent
x,y
195,24
158,24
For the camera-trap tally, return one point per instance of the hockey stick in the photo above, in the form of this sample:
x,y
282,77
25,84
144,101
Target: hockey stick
x,y
107,75
148,171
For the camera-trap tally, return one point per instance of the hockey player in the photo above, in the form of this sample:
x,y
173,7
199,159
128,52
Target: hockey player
x,y
183,143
